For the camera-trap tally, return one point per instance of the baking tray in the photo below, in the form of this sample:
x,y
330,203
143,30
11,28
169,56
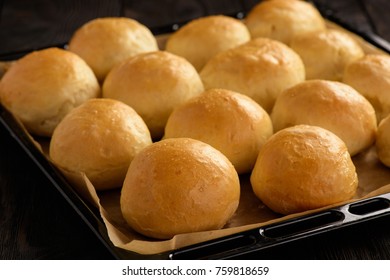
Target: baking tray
x,y
232,246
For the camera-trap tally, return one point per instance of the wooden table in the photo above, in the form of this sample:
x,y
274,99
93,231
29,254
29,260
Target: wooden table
x,y
36,222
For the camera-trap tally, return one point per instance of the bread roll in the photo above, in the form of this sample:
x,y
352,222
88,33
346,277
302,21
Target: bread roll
x,y
202,38
302,168
153,84
261,69
179,186
283,20
229,121
99,138
103,42
326,53
43,86
331,105
383,141
370,76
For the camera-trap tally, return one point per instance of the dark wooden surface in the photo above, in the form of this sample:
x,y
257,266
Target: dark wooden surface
x,y
36,222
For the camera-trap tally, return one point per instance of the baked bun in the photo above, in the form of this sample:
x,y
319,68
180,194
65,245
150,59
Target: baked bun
x,y
283,20
383,141
103,42
230,122
153,84
370,76
301,168
179,185
261,69
202,38
326,53
99,138
329,104
43,86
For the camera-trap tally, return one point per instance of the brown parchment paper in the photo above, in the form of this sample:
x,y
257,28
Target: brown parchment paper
x,y
374,179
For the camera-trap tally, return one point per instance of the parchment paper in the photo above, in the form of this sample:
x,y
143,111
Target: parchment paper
x,y
374,179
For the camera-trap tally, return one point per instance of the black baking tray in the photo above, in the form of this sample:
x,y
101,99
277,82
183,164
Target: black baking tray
x,y
233,246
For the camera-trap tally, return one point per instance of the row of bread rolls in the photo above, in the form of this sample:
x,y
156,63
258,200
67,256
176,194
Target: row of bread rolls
x,y
177,182
225,102
261,68
293,67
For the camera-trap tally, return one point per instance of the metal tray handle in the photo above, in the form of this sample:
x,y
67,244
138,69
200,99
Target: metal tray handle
x,y
286,231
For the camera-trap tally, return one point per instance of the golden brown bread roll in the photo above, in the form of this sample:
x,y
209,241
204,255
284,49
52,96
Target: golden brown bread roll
x,y
326,53
301,168
153,84
43,86
383,141
229,121
261,69
202,38
103,42
179,185
332,105
283,20
370,76
99,138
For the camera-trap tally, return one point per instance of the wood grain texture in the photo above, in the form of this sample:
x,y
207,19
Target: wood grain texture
x,y
37,223
364,15
35,220
36,24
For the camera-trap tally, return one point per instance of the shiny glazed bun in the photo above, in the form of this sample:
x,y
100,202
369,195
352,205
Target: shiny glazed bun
x,y
332,105
103,42
230,122
326,53
261,69
383,141
43,86
202,38
301,168
370,76
153,84
179,185
283,20
99,138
